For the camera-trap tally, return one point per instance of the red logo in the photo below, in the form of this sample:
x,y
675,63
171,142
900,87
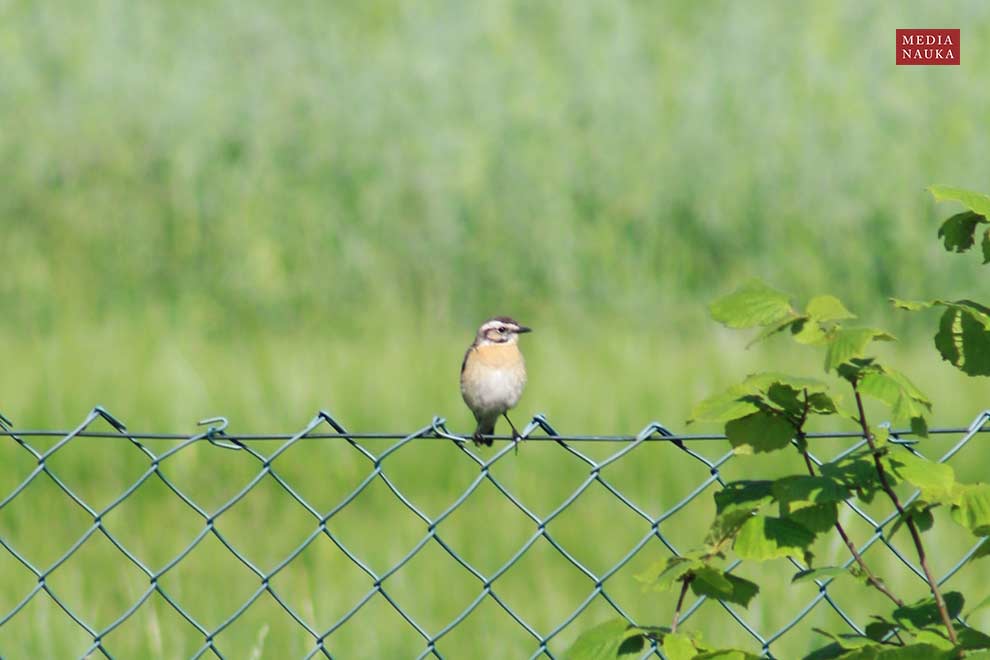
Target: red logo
x,y
937,47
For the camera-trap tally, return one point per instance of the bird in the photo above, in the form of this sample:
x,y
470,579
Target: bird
x,y
493,375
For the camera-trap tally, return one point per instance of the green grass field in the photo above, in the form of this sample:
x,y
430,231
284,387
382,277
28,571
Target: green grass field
x,y
229,208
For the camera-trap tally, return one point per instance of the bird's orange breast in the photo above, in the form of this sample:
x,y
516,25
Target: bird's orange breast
x,y
498,356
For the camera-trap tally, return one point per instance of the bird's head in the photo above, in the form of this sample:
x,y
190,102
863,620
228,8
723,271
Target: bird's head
x,y
501,330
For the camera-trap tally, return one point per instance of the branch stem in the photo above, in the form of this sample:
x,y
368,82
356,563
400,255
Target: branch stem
x,y
908,521
680,603
871,578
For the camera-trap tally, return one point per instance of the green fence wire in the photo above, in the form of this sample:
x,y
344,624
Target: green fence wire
x,y
325,428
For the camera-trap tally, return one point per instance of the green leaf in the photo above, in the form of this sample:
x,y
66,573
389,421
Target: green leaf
x,y
753,304
878,630
916,652
963,337
762,381
607,641
848,343
727,654
912,305
924,612
734,403
907,403
982,550
970,638
808,332
713,583
743,495
920,512
819,573
957,232
677,646
760,432
734,505
974,201
936,481
985,246
856,471
774,328
808,489
983,604
662,575
765,537
847,641
820,403
930,636
827,308
816,518
972,509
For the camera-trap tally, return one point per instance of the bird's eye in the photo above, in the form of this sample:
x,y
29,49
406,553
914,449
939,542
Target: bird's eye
x,y
502,329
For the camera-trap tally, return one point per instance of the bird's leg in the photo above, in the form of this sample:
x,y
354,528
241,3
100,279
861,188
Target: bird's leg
x,y
515,433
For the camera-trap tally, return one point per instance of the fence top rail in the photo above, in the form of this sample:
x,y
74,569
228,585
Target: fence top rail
x,y
248,437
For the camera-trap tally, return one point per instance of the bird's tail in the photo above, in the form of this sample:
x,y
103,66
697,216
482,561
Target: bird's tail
x,y
485,427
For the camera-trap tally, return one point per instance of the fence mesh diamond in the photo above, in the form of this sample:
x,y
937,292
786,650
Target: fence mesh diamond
x,y
381,543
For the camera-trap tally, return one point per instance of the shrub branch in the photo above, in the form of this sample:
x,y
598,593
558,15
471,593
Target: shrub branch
x,y
908,520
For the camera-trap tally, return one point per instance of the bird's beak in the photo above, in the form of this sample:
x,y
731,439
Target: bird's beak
x,y
521,329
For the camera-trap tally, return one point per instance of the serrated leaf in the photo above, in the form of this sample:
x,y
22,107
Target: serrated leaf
x,y
727,654
982,550
908,404
912,305
920,512
734,403
743,495
734,505
760,431
800,489
761,382
924,612
971,639
848,343
775,328
827,308
957,233
847,641
662,575
677,646
818,573
765,537
929,636
916,651
936,481
972,509
808,332
963,338
974,201
879,630
816,518
854,471
713,583
753,304
887,385
820,403
607,641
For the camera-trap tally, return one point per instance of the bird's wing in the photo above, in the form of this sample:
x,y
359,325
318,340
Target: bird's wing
x,y
466,354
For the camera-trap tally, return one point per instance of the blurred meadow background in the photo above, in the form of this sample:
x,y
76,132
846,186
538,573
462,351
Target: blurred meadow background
x,y
262,210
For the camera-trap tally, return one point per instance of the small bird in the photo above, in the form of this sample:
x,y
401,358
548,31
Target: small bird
x,y
493,375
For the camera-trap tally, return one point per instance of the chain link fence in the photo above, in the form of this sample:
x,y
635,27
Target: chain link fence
x,y
43,446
